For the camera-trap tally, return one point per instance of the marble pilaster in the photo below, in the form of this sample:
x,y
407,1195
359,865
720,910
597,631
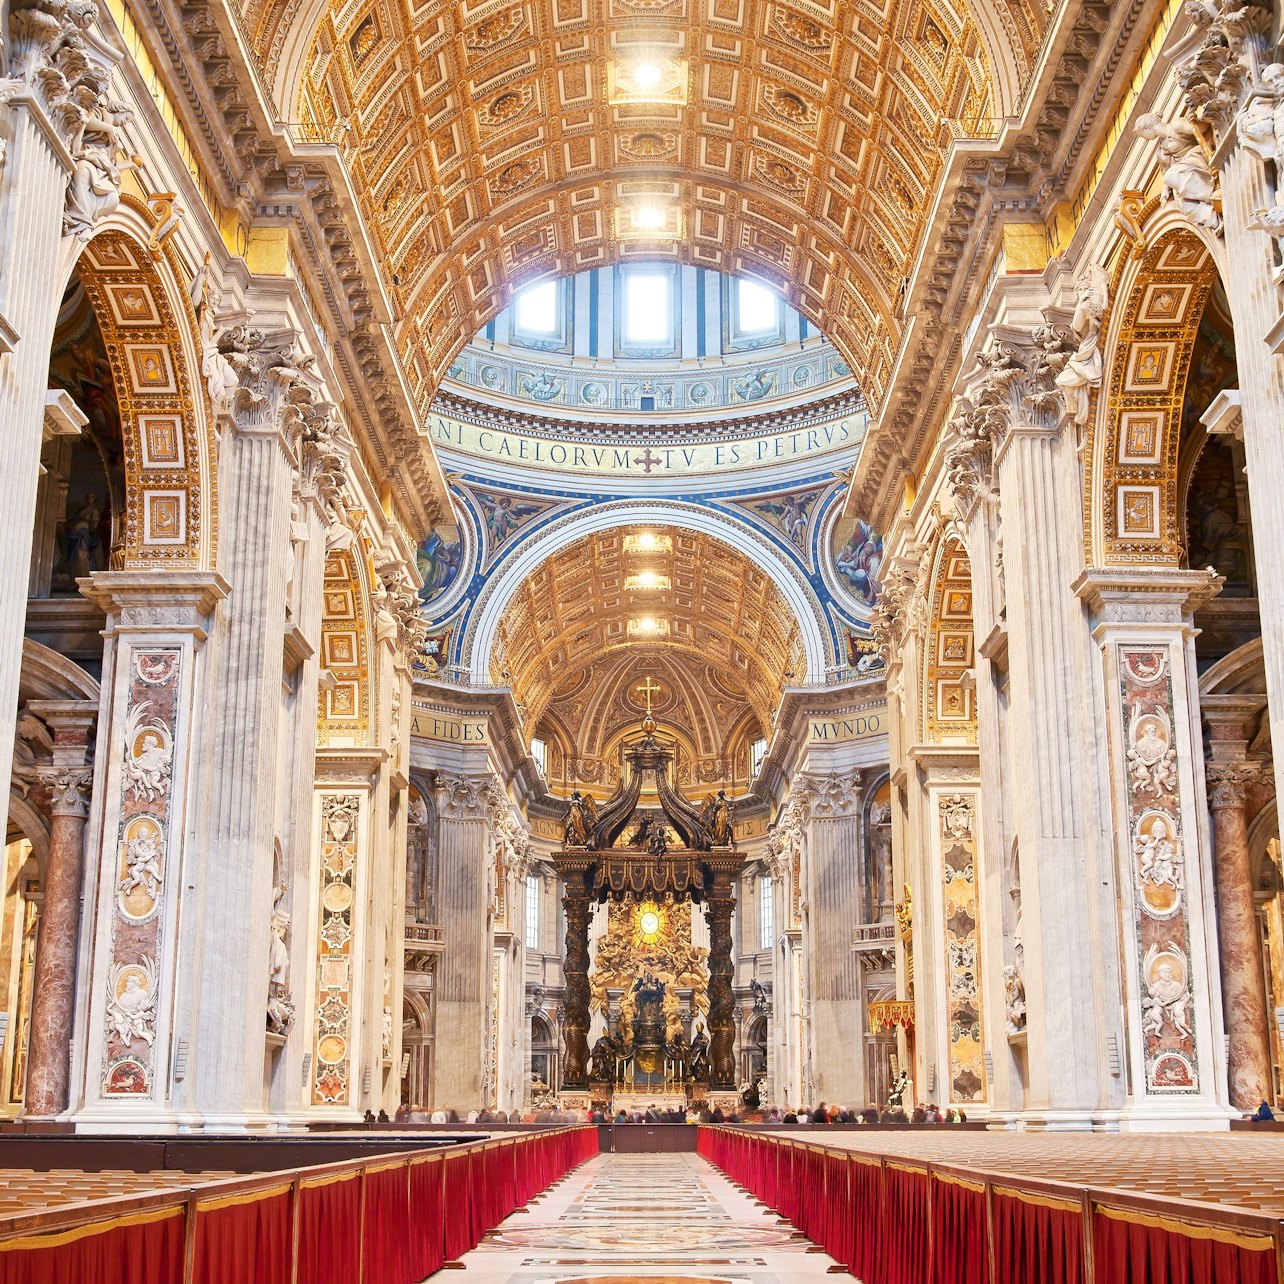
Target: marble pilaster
x,y
1143,626
463,987
230,937
155,694
833,908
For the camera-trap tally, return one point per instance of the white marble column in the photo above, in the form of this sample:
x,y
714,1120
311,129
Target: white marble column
x,y
226,949
155,698
464,971
36,127
833,898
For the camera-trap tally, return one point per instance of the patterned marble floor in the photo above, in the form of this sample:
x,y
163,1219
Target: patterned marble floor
x,y
664,1219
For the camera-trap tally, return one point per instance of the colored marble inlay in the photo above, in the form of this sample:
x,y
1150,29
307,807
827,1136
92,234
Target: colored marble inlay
x,y
1158,867
332,1037
959,863
141,873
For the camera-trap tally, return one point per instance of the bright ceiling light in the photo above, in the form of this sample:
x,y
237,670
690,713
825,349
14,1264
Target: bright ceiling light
x,y
647,579
646,75
647,625
649,216
646,539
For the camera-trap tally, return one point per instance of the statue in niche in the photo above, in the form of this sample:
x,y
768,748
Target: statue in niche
x,y
1167,1000
1014,998
1188,180
148,757
142,864
896,1097
581,819
280,1006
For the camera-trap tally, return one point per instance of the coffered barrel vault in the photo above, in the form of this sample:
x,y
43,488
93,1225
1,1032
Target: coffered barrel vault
x,y
492,144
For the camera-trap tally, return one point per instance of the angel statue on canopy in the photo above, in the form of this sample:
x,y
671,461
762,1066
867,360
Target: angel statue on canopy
x,y
581,820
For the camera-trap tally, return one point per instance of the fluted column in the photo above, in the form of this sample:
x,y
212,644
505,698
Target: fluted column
x,y
464,969
232,934
54,989
833,909
1243,978
575,997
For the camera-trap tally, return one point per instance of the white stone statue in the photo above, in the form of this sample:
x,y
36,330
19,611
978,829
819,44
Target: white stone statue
x,y
1158,859
220,375
1188,179
142,865
280,1005
1014,998
131,1009
96,148
1152,761
1082,371
1167,999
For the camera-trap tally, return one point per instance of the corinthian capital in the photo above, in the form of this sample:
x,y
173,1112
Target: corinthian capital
x,y
833,796
1229,782
69,790
274,392
468,797
1215,76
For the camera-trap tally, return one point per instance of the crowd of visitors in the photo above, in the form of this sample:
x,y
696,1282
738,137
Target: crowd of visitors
x,y
696,1113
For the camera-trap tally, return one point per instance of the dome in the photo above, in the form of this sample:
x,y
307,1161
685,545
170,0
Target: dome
x,y
651,343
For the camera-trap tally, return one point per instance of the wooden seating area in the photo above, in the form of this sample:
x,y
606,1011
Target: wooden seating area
x,y
1231,1169
388,1216
24,1190
952,1207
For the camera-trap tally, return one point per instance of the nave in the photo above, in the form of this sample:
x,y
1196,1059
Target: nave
x,y
659,1218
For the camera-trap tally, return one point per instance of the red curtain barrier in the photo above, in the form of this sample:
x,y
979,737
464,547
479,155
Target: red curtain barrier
x,y
142,1248
1036,1240
958,1225
385,1246
330,1229
383,1223
426,1243
244,1239
1158,1250
906,1234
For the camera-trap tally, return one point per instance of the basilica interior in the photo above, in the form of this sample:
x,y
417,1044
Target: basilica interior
x,y
643,639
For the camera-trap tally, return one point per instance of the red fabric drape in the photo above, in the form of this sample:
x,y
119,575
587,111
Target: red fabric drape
x,y
839,1225
426,1242
144,1249
958,1234
246,1242
906,1230
1134,1253
457,1207
330,1231
385,1246
1035,1243
865,1182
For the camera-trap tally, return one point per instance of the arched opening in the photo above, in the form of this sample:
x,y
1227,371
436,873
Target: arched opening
x,y
544,1071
